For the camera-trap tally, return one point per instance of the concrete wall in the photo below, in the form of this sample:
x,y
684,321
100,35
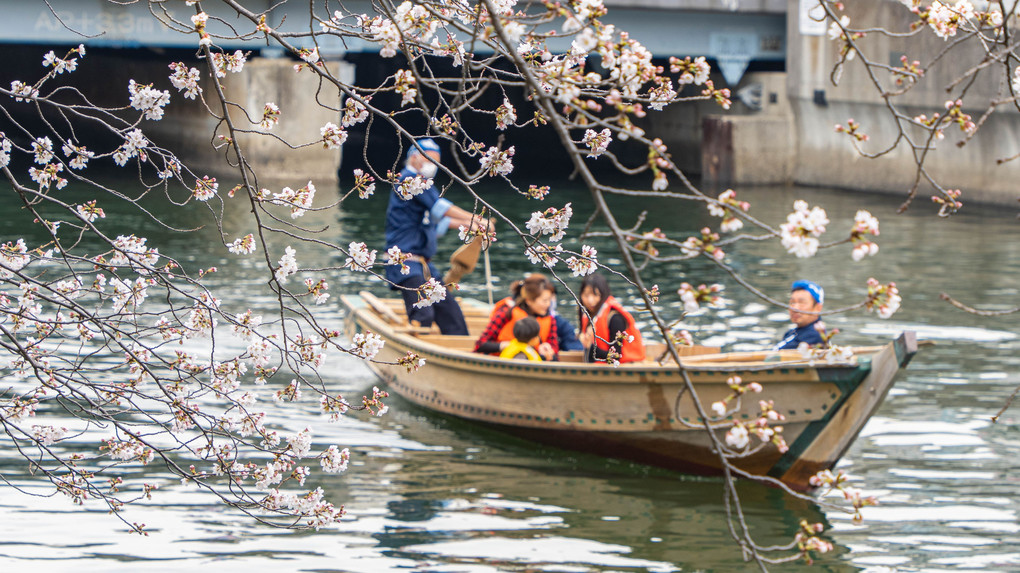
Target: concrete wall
x,y
188,126
756,147
826,158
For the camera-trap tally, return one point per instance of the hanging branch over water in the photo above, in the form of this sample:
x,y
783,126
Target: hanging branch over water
x,y
135,344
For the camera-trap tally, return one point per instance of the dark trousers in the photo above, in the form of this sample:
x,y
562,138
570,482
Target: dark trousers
x,y
445,313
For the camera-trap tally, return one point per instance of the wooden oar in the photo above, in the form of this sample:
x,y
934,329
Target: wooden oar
x,y
488,275
381,308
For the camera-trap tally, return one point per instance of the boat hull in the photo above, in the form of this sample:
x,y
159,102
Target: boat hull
x,y
646,412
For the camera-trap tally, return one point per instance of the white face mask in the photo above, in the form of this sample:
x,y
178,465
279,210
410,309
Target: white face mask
x,y
428,171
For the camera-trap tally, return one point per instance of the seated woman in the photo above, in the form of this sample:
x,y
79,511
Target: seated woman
x,y
611,326
531,297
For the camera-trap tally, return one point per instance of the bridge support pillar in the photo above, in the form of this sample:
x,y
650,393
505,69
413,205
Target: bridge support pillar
x,y
271,153
756,149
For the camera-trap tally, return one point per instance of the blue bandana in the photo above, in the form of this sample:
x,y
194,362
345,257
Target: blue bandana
x,y
813,289
427,144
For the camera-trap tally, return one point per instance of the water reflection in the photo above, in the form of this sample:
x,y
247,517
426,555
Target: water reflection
x,y
426,493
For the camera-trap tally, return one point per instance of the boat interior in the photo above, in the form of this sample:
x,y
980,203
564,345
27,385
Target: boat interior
x,y
476,314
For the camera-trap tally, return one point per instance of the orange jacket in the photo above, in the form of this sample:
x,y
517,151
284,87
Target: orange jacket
x,y
516,313
633,351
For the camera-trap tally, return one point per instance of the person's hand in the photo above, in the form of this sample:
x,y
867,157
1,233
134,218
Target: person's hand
x,y
486,225
546,350
586,337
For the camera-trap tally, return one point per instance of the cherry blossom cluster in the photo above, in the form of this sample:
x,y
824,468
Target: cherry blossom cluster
x,y
853,129
597,142
287,265
909,71
394,256
361,258
646,244
738,436
938,122
949,202
807,540
726,205
613,355
5,150
270,116
723,408
826,351
546,255
691,71
78,155
946,19
839,31
694,246
299,200
682,337
148,100
883,299
411,186
802,228
374,405
864,224
366,345
317,290
412,23
506,115
430,293
694,297
134,145
65,64
205,188
584,264
332,136
497,161
233,63
364,184
354,113
186,79
838,482
411,361
404,82
537,192
552,221
243,246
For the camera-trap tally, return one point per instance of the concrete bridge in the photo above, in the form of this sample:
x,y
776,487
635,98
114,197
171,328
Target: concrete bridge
x,y
773,56
755,30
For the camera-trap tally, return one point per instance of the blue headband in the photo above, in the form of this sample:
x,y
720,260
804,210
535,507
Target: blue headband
x,y
812,288
427,144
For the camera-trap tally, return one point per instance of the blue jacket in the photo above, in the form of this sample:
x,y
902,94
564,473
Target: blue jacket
x,y
413,225
795,336
567,335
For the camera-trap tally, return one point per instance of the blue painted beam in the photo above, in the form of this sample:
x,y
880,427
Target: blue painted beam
x,y
737,37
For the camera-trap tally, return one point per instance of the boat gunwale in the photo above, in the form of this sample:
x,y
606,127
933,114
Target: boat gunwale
x,y
692,367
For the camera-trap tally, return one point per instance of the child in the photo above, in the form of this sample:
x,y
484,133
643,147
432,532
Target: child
x,y
609,323
526,338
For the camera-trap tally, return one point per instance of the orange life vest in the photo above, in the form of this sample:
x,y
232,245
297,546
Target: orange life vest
x,y
516,313
630,351
499,306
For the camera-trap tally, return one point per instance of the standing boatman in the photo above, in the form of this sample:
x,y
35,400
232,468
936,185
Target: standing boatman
x,y
413,225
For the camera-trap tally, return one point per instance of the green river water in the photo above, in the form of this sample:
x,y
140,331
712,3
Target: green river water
x,y
426,493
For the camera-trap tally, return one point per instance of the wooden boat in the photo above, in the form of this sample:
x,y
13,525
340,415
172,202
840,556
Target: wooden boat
x,y
642,412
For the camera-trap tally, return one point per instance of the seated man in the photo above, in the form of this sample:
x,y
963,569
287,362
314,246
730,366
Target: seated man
x,y
525,342
805,297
